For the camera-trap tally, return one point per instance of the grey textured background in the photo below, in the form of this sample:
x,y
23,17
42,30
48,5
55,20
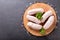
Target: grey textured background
x,y
11,25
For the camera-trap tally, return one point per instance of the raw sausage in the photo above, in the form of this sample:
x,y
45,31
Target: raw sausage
x,y
34,26
49,22
33,19
46,15
33,11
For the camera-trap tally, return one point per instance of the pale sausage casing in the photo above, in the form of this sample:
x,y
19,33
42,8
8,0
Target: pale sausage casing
x,y
33,11
46,15
49,22
33,19
34,26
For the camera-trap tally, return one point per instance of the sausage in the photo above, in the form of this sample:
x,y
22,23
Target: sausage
x,y
33,11
46,15
33,19
49,22
34,26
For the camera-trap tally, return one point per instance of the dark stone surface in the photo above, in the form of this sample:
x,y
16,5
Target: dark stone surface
x,y
11,25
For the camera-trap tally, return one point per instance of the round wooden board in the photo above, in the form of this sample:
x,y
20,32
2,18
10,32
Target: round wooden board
x,y
46,7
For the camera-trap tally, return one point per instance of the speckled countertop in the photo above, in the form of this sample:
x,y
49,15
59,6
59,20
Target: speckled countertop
x,y
11,24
